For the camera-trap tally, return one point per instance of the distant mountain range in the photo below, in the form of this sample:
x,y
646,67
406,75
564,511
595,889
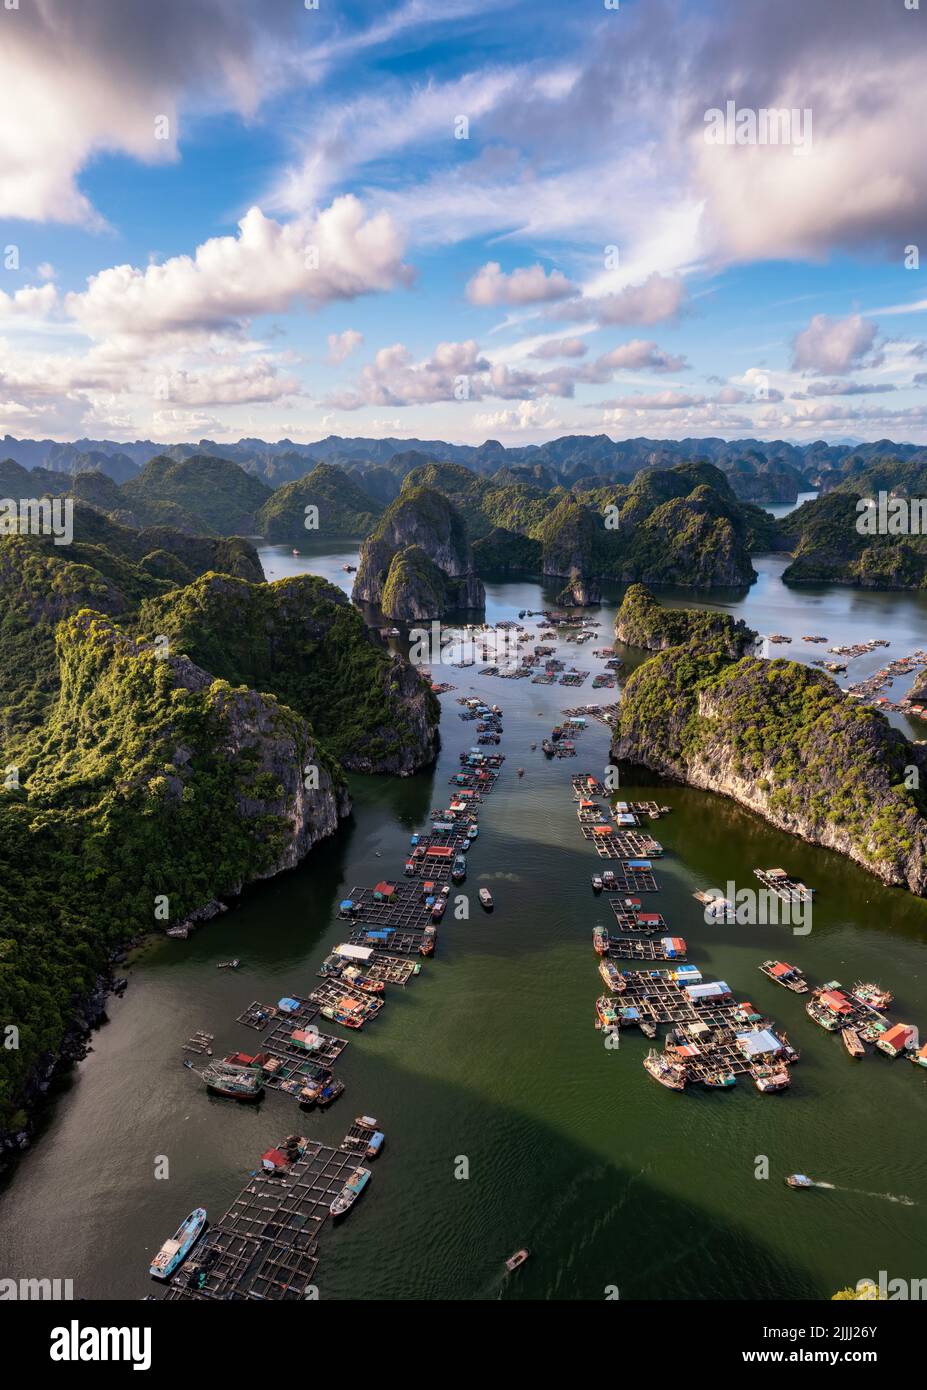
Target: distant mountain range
x,y
758,470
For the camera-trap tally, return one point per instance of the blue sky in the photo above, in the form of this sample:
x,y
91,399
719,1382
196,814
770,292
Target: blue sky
x,y
224,219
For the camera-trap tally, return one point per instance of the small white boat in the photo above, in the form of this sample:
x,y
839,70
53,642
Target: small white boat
x,y
486,899
515,1260
798,1180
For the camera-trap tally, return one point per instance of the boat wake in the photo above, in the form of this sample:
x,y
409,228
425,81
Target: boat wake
x,y
861,1192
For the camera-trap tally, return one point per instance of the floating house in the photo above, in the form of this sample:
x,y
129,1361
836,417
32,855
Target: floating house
x,y
901,1038
759,1043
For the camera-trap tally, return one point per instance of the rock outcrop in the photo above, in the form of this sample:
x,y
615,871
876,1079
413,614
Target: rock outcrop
x,y
642,621
301,639
426,523
784,741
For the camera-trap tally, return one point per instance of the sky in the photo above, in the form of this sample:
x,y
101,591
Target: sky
x,y
463,219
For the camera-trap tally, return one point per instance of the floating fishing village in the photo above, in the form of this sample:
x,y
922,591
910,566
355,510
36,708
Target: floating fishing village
x,y
269,1242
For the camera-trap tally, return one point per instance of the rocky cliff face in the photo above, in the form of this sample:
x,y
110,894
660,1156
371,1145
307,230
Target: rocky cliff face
x,y
642,621
782,740
425,522
165,734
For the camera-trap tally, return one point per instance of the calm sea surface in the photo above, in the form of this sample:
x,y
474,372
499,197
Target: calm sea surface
x,y
491,1054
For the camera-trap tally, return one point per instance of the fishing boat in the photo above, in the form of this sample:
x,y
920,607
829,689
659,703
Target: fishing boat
x,y
607,1014
853,1042
472,830
789,976
771,1077
335,1014
427,945
600,942
612,976
350,1192
719,1080
668,1073
608,878
486,899
919,1058
228,964
459,869
174,1251
798,1180
648,1029
314,1079
596,883
822,1016
521,771
515,1260
331,1090
873,995
234,1082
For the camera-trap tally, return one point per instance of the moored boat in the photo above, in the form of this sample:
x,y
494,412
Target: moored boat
x,y
600,942
350,1192
612,976
873,995
770,1077
719,1080
606,1011
174,1251
789,976
234,1082
596,883
667,1072
459,869
853,1042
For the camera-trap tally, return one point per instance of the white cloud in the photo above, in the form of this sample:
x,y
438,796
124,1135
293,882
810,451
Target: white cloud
x,y
528,285
267,268
560,347
32,301
638,354
341,345
834,345
659,298
78,79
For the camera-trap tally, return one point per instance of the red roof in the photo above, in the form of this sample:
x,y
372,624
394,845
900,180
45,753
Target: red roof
x,y
276,1157
439,851
837,1003
385,889
780,968
897,1035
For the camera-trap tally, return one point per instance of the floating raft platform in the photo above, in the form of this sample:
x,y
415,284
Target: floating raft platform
x,y
387,943
586,787
301,1019
645,950
200,1043
784,887
612,842
330,992
265,1246
404,908
627,880
631,920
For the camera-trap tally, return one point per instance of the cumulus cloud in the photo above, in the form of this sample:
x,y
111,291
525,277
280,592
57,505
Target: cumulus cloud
x,y
491,286
341,345
835,345
640,354
32,301
266,268
659,298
